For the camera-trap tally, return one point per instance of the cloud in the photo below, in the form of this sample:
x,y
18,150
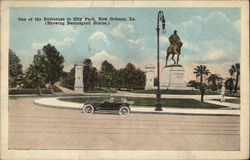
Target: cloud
x,y
163,39
216,26
215,55
99,36
188,45
134,41
98,58
66,41
213,39
66,30
127,43
123,31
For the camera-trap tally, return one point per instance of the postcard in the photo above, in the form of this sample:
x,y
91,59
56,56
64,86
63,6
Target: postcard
x,y
124,80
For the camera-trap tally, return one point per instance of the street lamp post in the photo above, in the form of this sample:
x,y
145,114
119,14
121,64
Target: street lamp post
x,y
158,106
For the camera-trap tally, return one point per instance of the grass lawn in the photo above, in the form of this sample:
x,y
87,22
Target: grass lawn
x,y
183,92
237,101
96,91
166,102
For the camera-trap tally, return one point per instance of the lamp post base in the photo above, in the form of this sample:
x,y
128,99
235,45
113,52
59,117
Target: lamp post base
x,y
158,106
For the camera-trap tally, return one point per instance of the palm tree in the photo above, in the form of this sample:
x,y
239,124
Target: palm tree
x,y
87,62
214,78
200,71
235,69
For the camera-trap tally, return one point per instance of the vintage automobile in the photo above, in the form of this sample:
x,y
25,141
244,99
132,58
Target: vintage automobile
x,y
109,104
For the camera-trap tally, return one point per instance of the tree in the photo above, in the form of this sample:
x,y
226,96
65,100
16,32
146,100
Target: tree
x,y
107,74
90,75
193,83
200,71
214,79
129,76
139,79
53,64
93,78
35,74
235,69
229,84
68,79
120,79
132,77
15,69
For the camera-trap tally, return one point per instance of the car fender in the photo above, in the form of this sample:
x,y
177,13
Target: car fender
x,y
90,104
126,105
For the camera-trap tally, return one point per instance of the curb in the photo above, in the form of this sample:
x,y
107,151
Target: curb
x,y
177,113
174,111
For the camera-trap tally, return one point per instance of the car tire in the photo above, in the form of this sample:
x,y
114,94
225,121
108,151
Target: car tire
x,y
88,108
124,110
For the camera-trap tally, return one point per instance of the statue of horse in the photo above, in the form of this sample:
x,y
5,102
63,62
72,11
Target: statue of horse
x,y
174,50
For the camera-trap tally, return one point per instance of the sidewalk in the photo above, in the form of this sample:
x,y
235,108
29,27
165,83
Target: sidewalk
x,y
231,105
64,90
55,103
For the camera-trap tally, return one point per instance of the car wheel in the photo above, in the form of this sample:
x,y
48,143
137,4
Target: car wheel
x,y
88,108
124,110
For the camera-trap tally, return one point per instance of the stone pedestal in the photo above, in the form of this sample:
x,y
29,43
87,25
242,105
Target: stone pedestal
x,y
173,77
78,87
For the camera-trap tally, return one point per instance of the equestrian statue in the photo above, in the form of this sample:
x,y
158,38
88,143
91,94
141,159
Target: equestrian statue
x,y
174,48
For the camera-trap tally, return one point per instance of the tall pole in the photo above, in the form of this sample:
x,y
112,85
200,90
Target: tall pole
x,y
160,17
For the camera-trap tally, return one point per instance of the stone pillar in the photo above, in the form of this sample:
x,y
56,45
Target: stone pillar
x,y
78,87
149,77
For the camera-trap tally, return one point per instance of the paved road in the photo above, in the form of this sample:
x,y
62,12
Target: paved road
x,y
36,127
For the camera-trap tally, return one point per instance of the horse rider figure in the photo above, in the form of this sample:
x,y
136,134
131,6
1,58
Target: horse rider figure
x,y
174,39
175,46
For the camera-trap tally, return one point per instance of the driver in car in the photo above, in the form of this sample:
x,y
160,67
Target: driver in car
x,y
111,100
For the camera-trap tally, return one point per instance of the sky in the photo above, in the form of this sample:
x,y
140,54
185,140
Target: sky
x,y
211,36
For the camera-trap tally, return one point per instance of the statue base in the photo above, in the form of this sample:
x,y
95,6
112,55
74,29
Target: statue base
x,y
173,77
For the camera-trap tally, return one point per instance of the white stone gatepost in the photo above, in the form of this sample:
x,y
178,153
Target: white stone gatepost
x,y
149,77
78,87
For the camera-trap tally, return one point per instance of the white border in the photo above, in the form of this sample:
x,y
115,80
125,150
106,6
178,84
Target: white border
x,y
137,154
